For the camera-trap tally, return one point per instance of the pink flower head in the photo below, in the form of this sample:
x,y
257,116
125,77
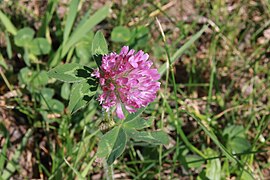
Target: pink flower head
x,y
127,79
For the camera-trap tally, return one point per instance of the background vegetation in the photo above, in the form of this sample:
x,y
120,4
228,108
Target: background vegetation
x,y
213,103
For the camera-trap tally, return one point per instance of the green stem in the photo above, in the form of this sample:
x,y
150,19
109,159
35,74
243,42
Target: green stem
x,y
5,80
177,125
108,170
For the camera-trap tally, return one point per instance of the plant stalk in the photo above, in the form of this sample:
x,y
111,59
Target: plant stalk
x,y
108,170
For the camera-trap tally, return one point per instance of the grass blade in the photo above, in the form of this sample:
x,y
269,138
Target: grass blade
x,y
7,23
44,29
79,33
180,51
216,141
71,16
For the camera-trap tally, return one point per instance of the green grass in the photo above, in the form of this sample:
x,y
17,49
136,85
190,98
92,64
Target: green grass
x,y
213,102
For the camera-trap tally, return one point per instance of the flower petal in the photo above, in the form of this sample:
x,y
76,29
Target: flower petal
x,y
119,111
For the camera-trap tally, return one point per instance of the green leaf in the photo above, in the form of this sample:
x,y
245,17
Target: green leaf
x,y
7,23
134,115
47,92
71,73
39,46
106,142
65,91
234,131
120,34
33,79
9,47
213,169
81,94
13,164
86,27
99,44
79,33
39,79
44,28
155,137
55,105
24,37
25,76
180,51
3,62
71,16
119,146
211,134
194,161
112,144
3,155
26,57
138,123
83,49
239,145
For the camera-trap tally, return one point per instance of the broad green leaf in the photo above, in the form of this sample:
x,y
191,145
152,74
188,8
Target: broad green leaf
x,y
239,145
83,52
70,73
83,49
180,51
106,142
112,144
141,31
138,37
45,95
194,161
39,46
138,123
33,79
134,115
99,44
24,37
119,146
39,79
7,23
234,131
81,94
236,140
65,91
213,168
155,137
55,106
71,16
25,76
120,34
246,176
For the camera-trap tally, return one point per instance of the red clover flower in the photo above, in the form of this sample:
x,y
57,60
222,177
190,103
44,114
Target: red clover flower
x,y
127,78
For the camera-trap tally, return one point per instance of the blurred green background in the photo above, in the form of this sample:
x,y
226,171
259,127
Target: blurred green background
x,y
215,109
